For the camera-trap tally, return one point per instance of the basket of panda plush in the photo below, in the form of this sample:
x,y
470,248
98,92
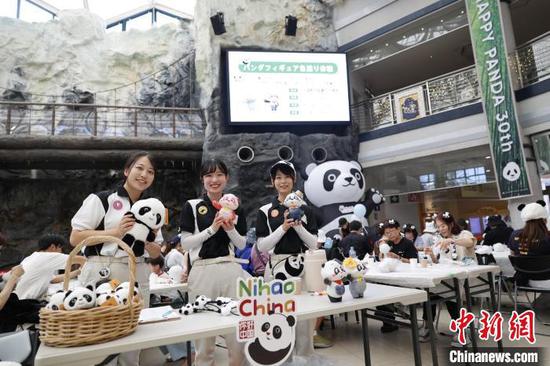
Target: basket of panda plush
x,y
74,318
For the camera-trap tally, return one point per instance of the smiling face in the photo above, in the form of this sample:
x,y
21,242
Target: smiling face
x,y
283,183
443,228
140,175
214,182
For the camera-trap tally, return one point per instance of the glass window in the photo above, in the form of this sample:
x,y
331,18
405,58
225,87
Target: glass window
x,y
32,13
8,8
140,23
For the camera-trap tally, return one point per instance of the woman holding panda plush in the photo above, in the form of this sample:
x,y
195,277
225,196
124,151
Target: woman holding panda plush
x,y
286,239
210,238
105,213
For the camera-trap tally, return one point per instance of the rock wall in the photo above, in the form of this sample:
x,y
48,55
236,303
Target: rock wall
x,y
35,202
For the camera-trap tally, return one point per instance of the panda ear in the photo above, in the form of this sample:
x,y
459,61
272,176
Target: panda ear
x,y
309,169
136,284
91,288
68,293
323,265
291,320
541,202
357,165
521,207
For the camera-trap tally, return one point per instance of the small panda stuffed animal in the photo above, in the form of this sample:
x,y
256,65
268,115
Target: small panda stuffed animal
x,y
201,301
122,293
355,270
294,202
187,309
333,273
105,293
149,215
292,266
80,298
56,301
226,207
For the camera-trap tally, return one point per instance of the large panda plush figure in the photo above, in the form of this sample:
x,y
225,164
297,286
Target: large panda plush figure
x,y
336,188
275,338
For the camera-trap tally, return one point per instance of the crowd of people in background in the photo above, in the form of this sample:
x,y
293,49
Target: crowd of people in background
x,y
206,247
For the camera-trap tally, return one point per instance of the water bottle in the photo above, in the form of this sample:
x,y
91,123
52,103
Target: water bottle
x,y
352,253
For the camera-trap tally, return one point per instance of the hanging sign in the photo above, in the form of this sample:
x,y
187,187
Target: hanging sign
x,y
498,97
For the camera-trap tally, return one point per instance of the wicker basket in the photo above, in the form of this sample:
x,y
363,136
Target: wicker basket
x,y
62,328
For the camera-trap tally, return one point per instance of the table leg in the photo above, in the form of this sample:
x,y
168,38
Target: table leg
x,y
415,340
365,328
430,321
495,308
473,332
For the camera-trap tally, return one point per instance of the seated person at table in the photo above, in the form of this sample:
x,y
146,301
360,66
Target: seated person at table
x,y
498,232
455,244
41,266
402,249
360,243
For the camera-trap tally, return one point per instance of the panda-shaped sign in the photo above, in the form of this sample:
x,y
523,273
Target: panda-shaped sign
x,y
274,342
291,266
336,188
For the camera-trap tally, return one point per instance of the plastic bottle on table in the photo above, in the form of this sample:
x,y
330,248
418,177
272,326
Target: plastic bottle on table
x,y
352,252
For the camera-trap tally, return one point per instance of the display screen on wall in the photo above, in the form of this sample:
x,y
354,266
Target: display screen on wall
x,y
287,87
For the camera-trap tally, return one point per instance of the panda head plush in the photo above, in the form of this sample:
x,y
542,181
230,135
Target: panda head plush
x,y
332,271
105,293
533,211
122,293
56,301
354,268
334,181
275,338
80,298
150,212
291,266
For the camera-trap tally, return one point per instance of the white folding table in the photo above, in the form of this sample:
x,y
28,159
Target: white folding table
x,y
207,324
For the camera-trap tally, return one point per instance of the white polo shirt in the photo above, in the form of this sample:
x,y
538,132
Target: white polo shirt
x,y
103,211
39,270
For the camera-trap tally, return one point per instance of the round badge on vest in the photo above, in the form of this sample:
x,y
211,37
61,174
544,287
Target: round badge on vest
x,y
104,272
203,210
274,213
117,205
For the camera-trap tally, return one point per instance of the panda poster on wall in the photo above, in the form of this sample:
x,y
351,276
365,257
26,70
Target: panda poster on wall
x,y
268,319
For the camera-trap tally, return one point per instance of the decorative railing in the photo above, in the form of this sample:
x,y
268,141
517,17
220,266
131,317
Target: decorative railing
x,y
419,100
530,64
24,118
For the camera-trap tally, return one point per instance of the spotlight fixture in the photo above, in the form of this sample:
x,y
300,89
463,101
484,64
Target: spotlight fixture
x,y
217,23
291,22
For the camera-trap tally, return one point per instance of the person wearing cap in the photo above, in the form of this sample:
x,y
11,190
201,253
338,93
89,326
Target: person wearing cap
x,y
284,238
498,232
210,241
402,249
428,235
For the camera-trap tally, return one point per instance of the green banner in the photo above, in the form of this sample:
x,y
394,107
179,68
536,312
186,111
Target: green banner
x,y
498,97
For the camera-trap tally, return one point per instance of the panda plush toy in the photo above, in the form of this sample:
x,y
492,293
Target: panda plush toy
x,y
356,272
333,273
80,298
122,293
337,188
291,266
56,301
294,202
149,215
275,338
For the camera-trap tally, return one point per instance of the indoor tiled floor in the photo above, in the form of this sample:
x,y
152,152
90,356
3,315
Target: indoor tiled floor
x,y
391,349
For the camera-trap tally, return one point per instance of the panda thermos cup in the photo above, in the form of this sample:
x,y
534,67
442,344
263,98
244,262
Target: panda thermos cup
x,y
313,263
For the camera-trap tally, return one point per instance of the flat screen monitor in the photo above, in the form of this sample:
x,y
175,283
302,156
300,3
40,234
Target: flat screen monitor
x,y
286,88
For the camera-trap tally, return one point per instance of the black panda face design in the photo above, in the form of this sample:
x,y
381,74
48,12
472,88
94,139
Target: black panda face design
x,y
344,179
329,178
274,339
294,265
144,210
159,219
358,177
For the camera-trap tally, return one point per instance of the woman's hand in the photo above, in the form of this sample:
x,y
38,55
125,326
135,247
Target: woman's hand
x,y
125,224
228,225
217,223
444,244
288,223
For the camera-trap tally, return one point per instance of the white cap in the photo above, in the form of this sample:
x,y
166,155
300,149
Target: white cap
x,y
533,211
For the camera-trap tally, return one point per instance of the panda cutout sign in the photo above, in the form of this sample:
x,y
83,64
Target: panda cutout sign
x,y
337,189
268,320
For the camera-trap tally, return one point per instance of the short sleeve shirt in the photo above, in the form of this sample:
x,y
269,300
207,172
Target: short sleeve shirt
x,y
290,243
39,269
218,244
103,211
405,248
